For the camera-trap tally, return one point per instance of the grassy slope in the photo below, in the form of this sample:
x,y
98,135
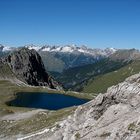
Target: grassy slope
x,y
102,82
79,74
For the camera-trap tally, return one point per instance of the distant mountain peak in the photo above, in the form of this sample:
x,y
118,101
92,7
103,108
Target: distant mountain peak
x,y
32,46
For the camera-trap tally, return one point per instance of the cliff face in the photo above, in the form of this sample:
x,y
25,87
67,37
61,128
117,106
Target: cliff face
x,y
114,115
28,67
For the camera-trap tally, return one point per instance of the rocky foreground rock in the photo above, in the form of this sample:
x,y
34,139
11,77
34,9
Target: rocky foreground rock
x,y
28,67
114,115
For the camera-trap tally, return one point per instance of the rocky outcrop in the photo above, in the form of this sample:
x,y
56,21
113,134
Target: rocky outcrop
x,y
28,67
114,115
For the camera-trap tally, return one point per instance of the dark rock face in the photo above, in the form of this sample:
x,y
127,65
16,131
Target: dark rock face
x,y
28,67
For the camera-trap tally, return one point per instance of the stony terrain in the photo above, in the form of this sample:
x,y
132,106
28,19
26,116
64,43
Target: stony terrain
x,y
114,115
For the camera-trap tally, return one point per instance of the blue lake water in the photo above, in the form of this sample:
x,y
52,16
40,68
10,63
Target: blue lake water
x,y
51,101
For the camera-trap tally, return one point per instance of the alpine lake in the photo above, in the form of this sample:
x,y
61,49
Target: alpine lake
x,y
43,100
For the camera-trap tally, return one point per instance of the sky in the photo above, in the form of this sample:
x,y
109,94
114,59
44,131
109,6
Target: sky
x,y
95,23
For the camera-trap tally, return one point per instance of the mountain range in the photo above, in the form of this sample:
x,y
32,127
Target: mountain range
x,y
59,58
76,68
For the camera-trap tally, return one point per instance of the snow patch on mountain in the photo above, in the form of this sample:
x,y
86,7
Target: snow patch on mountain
x,y
5,48
67,49
30,47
